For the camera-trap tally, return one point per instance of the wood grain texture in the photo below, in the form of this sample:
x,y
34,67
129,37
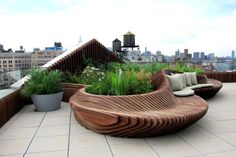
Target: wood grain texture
x,y
209,92
10,105
144,115
69,89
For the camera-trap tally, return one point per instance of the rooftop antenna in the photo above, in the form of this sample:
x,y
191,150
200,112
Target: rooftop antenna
x,y
80,41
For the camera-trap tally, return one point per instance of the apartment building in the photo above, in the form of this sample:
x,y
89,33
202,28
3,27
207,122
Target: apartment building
x,y
41,57
10,61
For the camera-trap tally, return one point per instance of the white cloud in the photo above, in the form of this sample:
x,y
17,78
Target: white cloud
x,y
163,25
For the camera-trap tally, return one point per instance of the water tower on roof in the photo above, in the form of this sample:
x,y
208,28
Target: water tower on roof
x,y
116,45
129,41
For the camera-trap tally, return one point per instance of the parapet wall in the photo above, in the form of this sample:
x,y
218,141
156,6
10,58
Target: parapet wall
x,y
222,76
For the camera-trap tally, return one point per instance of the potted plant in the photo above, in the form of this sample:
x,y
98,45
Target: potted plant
x,y
45,89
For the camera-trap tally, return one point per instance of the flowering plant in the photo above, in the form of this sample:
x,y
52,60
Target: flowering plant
x,y
89,76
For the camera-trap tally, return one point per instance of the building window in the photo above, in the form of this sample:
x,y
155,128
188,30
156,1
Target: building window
x,y
4,61
9,61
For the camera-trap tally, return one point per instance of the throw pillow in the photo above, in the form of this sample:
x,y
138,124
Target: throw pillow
x,y
188,79
175,82
193,78
183,78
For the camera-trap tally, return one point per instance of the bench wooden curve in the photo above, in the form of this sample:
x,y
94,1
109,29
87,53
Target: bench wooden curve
x,y
151,114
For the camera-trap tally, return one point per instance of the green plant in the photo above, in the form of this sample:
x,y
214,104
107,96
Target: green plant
x,y
42,82
131,67
181,67
113,67
89,76
122,83
154,67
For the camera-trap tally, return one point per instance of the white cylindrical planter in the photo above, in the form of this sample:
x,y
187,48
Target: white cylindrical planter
x,y
45,103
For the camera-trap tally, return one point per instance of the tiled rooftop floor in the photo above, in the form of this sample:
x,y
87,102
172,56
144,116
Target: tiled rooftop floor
x,y
57,134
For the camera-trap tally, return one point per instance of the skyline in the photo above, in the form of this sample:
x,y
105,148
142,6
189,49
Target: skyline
x,y
165,25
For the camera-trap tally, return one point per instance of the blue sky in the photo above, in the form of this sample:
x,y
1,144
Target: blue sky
x,y
166,25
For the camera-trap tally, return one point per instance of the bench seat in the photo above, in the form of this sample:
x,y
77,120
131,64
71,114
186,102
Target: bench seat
x,y
144,115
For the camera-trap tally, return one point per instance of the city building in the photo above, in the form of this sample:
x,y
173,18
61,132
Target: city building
x,y
57,47
181,56
202,56
41,57
147,53
196,56
210,56
177,54
10,61
233,54
159,56
186,54
1,47
12,66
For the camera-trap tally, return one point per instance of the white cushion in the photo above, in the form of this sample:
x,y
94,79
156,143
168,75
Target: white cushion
x,y
193,78
199,86
188,79
183,93
183,78
175,82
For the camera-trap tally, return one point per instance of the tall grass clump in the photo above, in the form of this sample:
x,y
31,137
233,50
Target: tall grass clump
x,y
127,83
153,68
182,67
42,82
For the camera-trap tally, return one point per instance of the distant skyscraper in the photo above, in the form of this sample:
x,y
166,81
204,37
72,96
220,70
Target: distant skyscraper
x,y
1,47
233,54
211,56
145,49
80,41
202,55
196,56
177,54
185,53
158,52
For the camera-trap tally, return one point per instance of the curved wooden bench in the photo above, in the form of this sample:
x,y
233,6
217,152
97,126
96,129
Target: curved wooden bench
x,y
209,92
204,92
144,115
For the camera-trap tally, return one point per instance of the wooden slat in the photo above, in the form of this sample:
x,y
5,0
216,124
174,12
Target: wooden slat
x,y
144,115
92,49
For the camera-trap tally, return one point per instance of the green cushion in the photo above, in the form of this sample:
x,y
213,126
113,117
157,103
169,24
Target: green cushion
x,y
183,93
175,82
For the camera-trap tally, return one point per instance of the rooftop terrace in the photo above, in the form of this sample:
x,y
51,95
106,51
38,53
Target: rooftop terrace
x,y
57,134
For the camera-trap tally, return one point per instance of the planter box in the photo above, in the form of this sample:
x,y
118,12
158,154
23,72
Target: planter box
x,y
45,103
69,89
142,115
